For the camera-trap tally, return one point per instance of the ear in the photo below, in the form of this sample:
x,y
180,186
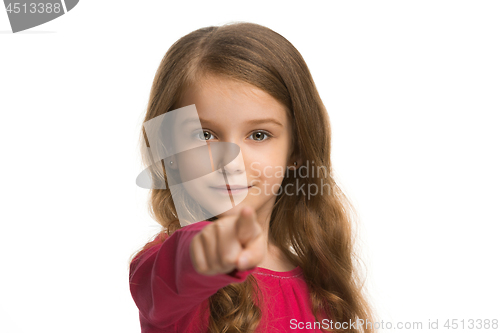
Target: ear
x,y
291,164
171,163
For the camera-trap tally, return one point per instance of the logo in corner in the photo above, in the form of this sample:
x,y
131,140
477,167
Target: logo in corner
x,y
24,15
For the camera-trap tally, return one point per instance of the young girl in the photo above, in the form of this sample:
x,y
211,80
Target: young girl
x,y
250,87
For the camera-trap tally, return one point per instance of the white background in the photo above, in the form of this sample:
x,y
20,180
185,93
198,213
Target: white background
x,y
412,89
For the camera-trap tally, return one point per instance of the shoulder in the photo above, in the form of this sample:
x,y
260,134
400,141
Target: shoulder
x,y
195,226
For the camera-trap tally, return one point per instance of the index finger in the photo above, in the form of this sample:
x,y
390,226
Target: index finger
x,y
247,227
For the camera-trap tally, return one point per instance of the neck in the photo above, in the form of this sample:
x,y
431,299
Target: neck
x,y
274,259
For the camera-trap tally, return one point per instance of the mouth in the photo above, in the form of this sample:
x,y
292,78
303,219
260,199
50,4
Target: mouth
x,y
234,189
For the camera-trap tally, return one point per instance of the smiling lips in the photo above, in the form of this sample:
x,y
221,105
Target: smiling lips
x,y
232,188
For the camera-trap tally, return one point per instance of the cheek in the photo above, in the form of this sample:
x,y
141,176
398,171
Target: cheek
x,y
270,172
267,161
187,169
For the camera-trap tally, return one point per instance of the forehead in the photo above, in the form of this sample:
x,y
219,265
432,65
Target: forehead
x,y
230,101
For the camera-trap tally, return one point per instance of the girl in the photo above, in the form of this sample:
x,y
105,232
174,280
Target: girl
x,y
251,87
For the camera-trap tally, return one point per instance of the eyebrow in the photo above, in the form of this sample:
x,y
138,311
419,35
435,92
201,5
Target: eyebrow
x,y
250,122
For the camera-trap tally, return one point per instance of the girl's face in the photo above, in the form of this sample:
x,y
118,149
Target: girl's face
x,y
236,112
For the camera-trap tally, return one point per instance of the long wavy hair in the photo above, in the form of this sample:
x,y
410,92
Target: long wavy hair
x,y
315,232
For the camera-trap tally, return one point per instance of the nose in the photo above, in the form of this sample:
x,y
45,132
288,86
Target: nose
x,y
236,166
232,165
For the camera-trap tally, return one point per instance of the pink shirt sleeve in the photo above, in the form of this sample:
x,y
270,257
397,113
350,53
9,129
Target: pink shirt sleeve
x,y
164,284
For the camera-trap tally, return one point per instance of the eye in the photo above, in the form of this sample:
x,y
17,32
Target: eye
x,y
260,136
206,135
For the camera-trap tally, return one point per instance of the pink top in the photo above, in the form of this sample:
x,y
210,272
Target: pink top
x,y
171,295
